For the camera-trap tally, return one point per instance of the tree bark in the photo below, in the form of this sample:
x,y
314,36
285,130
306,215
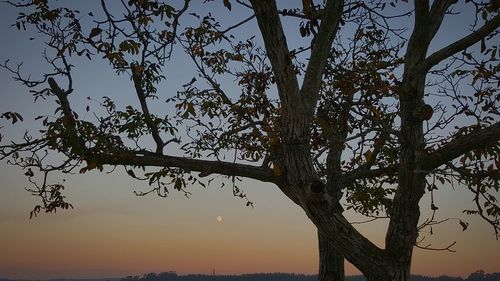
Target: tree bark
x,y
331,262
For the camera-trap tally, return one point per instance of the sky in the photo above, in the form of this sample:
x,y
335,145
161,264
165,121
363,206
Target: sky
x,y
113,233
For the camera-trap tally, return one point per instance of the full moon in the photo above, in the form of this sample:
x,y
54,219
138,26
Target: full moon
x,y
219,219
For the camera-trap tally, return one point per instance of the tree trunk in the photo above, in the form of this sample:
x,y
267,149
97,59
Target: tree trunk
x,y
399,273
331,262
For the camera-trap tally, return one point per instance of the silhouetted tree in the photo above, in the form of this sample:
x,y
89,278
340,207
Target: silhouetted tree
x,y
355,118
480,275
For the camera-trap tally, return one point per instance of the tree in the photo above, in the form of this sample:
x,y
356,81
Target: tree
x,y
364,115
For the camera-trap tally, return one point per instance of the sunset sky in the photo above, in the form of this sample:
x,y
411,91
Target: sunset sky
x,y
113,233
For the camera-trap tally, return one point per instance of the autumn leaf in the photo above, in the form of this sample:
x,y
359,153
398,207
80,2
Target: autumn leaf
x,y
369,156
178,184
131,173
464,225
190,109
227,4
94,32
12,115
29,173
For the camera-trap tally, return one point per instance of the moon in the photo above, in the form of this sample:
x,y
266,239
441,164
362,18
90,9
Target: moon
x,y
219,219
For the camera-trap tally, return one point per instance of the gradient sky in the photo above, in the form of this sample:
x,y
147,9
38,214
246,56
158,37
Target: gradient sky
x,y
112,233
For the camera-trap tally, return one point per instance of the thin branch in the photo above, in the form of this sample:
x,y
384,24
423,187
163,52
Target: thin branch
x,y
205,167
461,44
277,51
461,145
319,54
428,247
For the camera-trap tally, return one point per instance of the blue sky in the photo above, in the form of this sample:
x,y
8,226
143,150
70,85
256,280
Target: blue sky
x,y
111,232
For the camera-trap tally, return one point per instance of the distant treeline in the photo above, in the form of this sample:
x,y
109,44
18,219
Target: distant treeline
x,y
172,276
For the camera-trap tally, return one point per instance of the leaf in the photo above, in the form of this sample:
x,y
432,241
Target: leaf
x,y
18,116
29,173
369,156
440,179
178,184
190,109
12,115
464,225
483,45
227,4
94,32
131,173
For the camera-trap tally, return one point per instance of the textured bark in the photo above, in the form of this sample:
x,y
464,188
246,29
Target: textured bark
x,y
358,250
331,262
478,139
402,231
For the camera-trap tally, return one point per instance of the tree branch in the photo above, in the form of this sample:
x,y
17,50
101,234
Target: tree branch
x,y
359,174
205,167
130,158
319,54
155,132
277,51
455,148
360,251
437,13
461,44
421,10
461,145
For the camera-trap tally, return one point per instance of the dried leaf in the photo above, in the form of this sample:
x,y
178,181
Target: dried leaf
x,y
178,184
369,156
131,173
464,225
94,32
227,4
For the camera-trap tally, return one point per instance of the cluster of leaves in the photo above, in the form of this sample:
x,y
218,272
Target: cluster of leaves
x,y
222,123
357,114
137,44
357,117
469,101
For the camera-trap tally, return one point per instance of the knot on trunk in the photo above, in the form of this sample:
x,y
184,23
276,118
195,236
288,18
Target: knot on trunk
x,y
317,187
423,112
